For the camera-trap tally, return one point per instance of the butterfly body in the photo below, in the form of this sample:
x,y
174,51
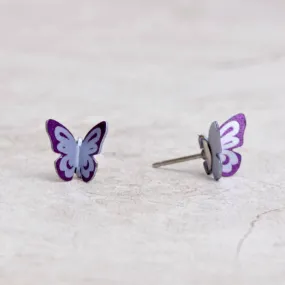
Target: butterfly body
x,y
76,156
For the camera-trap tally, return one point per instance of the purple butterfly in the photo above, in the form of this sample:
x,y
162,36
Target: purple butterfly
x,y
232,132
76,156
218,150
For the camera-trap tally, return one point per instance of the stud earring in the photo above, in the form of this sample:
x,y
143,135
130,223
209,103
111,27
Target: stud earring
x,y
76,156
218,151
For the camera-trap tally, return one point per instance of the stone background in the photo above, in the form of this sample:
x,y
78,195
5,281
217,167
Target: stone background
x,y
159,72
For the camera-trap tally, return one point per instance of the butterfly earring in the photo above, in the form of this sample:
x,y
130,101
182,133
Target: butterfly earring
x,y
76,156
218,153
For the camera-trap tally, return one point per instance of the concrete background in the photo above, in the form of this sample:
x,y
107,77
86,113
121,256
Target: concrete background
x,y
159,72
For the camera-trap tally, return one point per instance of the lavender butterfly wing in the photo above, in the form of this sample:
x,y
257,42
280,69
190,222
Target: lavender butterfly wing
x,y
62,142
91,146
232,133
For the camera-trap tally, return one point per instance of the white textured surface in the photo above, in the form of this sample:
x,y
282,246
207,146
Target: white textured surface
x,y
159,72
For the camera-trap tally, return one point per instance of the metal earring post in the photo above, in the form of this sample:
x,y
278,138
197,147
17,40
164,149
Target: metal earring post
x,y
178,160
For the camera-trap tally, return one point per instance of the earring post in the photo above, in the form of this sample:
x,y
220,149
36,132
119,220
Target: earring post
x,y
178,160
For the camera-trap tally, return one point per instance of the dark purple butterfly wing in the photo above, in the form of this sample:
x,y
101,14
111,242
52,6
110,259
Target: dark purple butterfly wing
x,y
232,136
91,146
62,142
